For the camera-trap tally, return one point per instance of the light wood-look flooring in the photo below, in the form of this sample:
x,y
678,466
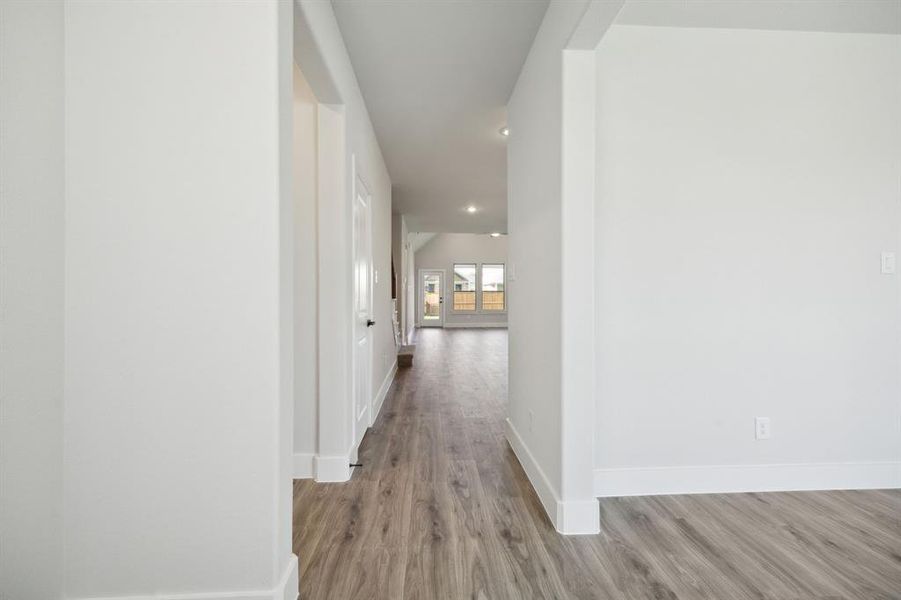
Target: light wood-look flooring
x,y
442,510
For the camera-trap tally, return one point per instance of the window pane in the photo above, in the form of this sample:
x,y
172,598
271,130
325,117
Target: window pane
x,y
465,287
493,287
431,310
464,278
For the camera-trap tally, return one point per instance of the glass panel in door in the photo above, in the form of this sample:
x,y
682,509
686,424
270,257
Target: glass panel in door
x,y
431,299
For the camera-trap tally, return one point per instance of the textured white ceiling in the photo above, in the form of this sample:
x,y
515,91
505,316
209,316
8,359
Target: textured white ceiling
x,y
436,76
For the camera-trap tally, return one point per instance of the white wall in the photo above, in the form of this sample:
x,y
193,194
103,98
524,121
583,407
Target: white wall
x,y
306,241
177,417
533,217
747,183
399,256
445,249
321,55
410,289
541,195
404,262
384,349
31,299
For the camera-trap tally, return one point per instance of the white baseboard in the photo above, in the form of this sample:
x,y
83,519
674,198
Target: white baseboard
x,y
579,517
288,587
383,393
332,468
542,485
569,518
475,325
724,479
303,466
337,468
285,589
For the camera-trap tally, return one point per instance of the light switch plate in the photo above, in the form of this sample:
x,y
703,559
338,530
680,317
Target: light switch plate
x,y
762,429
888,263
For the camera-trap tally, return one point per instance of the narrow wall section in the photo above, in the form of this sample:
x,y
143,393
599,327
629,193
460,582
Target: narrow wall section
x,y
534,215
306,276
175,443
31,299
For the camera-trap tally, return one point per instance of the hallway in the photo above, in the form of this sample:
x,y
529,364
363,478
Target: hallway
x,y
441,509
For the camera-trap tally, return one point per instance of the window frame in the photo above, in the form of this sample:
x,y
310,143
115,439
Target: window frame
x,y
481,289
475,303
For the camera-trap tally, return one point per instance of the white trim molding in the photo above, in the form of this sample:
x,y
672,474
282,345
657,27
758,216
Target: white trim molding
x,y
336,468
724,479
475,325
303,465
383,393
286,589
569,518
331,469
546,492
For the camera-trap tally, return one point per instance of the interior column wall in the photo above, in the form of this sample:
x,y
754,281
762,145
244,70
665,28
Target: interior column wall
x,y
306,276
31,299
534,215
410,290
175,379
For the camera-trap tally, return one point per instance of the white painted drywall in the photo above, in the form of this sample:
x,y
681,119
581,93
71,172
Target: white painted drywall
x,y
404,260
577,307
322,56
445,249
31,299
410,290
534,183
333,295
747,183
176,437
384,348
399,259
306,241
285,574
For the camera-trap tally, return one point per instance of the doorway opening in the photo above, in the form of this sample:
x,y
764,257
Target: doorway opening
x,y
432,297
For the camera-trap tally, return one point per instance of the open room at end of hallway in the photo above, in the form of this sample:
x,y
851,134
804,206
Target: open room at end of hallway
x,y
462,280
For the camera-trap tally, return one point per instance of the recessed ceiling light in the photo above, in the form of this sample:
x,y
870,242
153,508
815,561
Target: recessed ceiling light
x,y
504,131
495,234
471,209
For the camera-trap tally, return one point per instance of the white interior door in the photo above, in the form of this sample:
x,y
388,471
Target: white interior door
x,y
431,298
363,317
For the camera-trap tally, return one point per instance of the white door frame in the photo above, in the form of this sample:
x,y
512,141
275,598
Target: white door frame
x,y
420,310
360,421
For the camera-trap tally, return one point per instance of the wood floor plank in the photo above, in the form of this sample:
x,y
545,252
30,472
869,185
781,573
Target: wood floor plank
x,y
442,510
